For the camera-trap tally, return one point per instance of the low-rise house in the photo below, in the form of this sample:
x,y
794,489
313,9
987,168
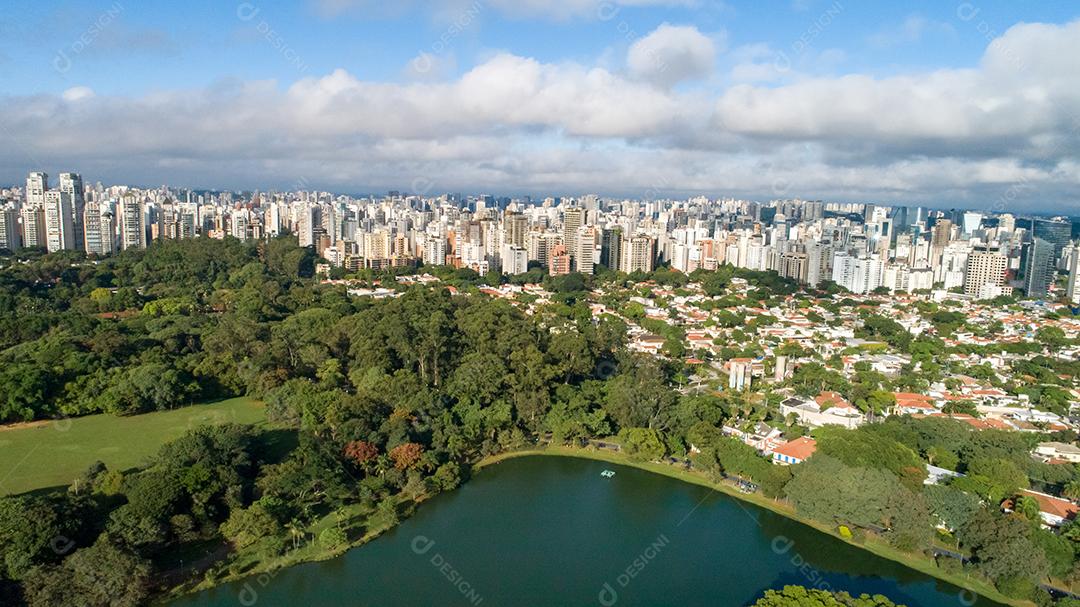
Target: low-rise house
x,y
909,403
794,452
827,409
936,475
1054,511
762,436
1053,451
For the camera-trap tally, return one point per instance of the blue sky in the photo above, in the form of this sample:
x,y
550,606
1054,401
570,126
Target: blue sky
x,y
613,96
163,44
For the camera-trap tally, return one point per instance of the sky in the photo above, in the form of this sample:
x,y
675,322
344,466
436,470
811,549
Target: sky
x,y
969,104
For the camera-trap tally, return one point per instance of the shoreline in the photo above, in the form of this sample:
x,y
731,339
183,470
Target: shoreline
x,y
873,545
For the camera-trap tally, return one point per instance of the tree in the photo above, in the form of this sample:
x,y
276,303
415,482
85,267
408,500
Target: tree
x,y
361,452
102,575
1058,551
406,455
952,508
800,596
866,448
1028,506
32,528
826,489
1002,473
1001,546
642,444
249,525
640,397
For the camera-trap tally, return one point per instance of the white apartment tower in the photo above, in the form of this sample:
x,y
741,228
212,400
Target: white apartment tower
x,y
572,219
97,230
72,185
132,223
36,186
33,225
1073,290
59,226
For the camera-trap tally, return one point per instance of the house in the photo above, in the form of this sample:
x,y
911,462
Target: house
x,y
794,452
908,403
1053,510
1058,452
936,475
762,436
827,409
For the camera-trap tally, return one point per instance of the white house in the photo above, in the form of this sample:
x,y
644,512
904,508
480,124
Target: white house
x,y
827,409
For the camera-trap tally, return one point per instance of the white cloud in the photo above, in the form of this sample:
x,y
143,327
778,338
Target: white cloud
x,y
77,93
672,54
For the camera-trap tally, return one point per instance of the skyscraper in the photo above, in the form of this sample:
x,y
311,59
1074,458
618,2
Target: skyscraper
x,y
985,267
97,230
72,185
1055,232
1039,272
584,258
36,186
33,225
59,227
610,248
515,226
1073,292
571,222
638,254
10,238
132,223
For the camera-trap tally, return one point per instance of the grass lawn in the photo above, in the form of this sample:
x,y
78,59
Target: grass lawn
x,y
52,453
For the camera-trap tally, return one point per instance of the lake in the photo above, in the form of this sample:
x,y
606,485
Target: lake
x,y
554,531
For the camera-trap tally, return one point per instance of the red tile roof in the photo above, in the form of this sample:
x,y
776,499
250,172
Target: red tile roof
x,y
1054,506
800,448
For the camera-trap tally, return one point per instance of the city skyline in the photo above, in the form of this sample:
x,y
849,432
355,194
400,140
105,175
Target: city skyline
x,y
972,105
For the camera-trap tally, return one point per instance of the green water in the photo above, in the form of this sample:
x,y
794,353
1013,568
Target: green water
x,y
551,531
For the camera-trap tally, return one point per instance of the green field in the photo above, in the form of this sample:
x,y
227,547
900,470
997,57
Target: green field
x,y
56,452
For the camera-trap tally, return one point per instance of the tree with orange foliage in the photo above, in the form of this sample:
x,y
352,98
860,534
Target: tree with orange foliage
x,y
361,452
406,455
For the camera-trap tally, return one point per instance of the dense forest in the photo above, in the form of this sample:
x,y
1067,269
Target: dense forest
x,y
378,404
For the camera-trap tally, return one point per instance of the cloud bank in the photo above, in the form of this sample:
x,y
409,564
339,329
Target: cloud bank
x,y
1004,134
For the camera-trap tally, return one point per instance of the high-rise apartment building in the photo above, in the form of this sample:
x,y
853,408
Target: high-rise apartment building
x,y
610,248
59,226
72,185
98,230
572,221
515,227
985,267
638,254
36,185
1073,291
33,225
559,262
132,223
10,238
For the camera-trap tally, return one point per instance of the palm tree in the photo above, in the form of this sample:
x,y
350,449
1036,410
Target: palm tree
x,y
296,530
1072,490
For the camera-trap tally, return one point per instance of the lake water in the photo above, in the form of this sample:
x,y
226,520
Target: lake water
x,y
553,531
